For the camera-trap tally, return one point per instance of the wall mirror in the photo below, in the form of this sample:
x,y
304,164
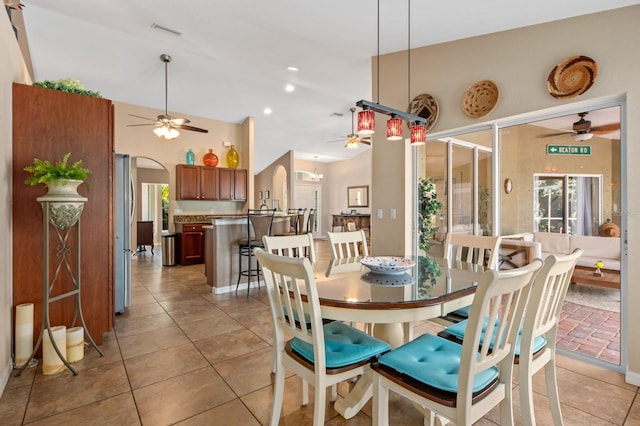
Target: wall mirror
x,y
358,196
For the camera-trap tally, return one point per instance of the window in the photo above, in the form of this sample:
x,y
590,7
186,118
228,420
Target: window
x,y
569,204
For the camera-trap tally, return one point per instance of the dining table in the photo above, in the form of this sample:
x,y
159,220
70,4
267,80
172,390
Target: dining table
x,y
390,293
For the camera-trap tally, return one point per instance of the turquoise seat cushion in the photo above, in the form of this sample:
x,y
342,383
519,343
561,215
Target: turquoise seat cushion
x,y
307,318
463,312
434,361
344,345
459,329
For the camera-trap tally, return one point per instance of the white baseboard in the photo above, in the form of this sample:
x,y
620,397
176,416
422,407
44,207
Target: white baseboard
x,y
232,288
632,378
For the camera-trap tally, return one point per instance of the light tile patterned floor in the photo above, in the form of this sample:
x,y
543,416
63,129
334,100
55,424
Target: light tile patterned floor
x,y
180,355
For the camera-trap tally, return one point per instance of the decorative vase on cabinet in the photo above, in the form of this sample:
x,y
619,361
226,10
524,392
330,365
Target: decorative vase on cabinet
x,y
190,158
232,158
210,159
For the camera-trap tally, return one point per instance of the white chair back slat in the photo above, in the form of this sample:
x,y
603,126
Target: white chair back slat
x,y
473,249
291,246
348,244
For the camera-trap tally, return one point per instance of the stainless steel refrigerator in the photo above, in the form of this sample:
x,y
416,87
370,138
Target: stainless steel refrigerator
x,y
123,215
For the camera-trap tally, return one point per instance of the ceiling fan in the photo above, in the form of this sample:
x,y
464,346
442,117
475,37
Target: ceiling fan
x,y
166,125
352,139
582,129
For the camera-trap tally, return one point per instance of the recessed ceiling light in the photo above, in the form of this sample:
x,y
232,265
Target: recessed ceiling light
x,y
267,111
289,88
292,68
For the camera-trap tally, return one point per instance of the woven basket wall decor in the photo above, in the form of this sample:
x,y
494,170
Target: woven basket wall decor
x,y
425,106
572,77
480,98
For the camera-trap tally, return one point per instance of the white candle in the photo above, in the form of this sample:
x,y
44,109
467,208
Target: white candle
x,y
51,362
75,344
24,333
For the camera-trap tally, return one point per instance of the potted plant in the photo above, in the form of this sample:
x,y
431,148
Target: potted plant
x,y
62,179
58,175
68,85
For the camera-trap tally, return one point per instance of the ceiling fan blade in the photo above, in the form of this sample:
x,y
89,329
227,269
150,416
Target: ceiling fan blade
x,y
553,135
179,121
193,129
144,118
365,141
337,140
145,124
606,128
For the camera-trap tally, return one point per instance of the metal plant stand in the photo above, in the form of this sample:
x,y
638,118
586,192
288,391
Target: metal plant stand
x,y
69,210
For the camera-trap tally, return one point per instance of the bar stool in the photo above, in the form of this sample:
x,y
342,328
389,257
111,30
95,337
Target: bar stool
x,y
259,224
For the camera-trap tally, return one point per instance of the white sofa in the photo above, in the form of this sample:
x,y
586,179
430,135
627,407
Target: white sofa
x,y
605,249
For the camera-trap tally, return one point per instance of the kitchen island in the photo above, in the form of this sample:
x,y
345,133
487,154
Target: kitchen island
x,y
221,251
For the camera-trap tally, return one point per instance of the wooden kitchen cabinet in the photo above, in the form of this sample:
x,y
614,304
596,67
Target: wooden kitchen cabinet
x,y
233,184
191,244
240,185
210,183
196,182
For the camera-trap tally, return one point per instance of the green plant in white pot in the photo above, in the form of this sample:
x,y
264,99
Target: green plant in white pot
x,y
62,179
57,174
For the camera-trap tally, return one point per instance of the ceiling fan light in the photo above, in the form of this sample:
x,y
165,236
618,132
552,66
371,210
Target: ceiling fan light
x,y
418,135
172,134
394,129
366,122
160,131
352,143
579,137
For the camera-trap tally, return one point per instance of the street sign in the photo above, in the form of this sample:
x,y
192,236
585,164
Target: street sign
x,y
568,150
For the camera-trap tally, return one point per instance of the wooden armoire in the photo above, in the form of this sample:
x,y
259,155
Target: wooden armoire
x,y
47,124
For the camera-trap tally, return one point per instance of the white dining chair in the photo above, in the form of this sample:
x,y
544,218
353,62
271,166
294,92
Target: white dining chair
x,y
461,382
536,345
290,246
473,249
323,355
541,323
348,244
484,250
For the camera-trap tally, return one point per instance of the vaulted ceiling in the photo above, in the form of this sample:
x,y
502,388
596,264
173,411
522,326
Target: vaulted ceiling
x,y
230,58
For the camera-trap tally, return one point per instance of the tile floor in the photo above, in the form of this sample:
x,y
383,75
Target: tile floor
x,y
181,355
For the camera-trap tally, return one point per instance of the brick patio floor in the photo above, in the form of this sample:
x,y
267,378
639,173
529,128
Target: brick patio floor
x,y
590,331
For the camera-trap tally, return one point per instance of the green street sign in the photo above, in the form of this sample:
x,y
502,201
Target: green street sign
x,y
568,150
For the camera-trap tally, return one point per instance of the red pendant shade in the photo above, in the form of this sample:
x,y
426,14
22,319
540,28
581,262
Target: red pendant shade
x,y
418,134
394,129
366,122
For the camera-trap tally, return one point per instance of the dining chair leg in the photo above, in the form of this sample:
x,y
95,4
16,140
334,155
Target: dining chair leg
x,y
278,395
526,392
552,392
305,392
320,403
380,403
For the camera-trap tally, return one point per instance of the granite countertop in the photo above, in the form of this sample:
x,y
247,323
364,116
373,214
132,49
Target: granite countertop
x,y
203,218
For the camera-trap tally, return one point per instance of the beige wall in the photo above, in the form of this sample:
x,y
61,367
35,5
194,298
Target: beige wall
x,y
142,142
264,181
12,69
519,61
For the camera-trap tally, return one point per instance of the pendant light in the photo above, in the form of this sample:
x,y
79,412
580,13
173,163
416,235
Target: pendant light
x,y
418,130
366,122
394,128
366,117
